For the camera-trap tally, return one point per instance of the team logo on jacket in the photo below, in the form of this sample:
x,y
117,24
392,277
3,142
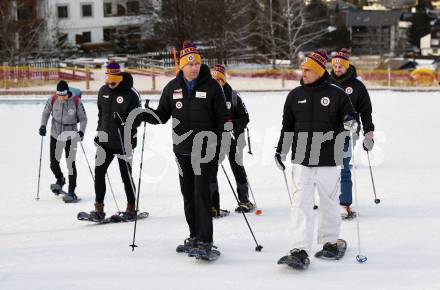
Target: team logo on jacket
x,y
228,105
119,100
349,90
177,94
325,101
201,95
179,105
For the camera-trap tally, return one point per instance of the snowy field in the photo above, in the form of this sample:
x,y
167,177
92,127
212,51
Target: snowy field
x,y
43,246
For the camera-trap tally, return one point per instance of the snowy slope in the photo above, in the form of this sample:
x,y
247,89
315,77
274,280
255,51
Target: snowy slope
x,y
43,246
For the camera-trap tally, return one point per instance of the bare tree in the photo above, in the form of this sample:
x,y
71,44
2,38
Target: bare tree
x,y
20,31
279,29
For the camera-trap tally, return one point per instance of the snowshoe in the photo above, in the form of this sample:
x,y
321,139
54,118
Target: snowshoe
x,y
129,214
245,206
347,213
219,213
333,251
57,187
71,197
99,217
296,259
187,246
205,251
127,217
93,216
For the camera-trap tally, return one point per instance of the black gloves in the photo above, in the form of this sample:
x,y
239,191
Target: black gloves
x,y
96,140
368,141
81,135
279,161
42,130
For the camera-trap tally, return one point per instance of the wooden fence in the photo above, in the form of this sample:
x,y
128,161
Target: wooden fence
x,y
39,73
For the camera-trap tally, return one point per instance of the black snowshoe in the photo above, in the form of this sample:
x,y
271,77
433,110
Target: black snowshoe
x,y
57,187
99,217
245,206
296,259
187,246
70,197
332,251
205,251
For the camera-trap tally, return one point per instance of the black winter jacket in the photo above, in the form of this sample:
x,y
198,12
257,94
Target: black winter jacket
x,y
203,110
318,107
237,112
123,99
359,96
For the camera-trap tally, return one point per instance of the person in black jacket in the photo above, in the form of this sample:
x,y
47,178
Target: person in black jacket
x,y
116,99
314,118
196,103
240,118
344,75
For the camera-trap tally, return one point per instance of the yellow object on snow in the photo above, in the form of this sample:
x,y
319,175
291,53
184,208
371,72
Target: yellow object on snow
x,y
424,76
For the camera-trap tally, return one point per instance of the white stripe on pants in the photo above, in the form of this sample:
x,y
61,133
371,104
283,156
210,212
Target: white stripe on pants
x,y
327,182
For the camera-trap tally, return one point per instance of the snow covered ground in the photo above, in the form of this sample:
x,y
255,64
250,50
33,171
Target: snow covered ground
x,y
43,246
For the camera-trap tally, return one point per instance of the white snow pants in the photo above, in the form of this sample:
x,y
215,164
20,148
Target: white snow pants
x,y
327,182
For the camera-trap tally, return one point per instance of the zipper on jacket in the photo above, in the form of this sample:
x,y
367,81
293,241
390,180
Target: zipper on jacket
x,y
62,126
110,105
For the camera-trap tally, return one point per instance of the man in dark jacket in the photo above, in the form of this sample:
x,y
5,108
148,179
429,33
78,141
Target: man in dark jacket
x,y
344,75
197,105
313,120
239,116
116,99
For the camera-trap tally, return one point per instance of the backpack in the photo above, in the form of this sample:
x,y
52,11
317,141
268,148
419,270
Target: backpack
x,y
75,100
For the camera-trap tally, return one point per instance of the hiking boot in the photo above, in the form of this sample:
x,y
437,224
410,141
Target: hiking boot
x,y
347,213
98,214
218,212
296,259
130,212
245,206
331,249
187,246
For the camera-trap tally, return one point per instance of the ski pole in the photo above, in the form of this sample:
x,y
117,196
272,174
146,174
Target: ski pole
x,y
257,210
287,186
87,160
259,247
133,245
127,165
249,141
93,178
113,193
360,258
39,170
376,200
